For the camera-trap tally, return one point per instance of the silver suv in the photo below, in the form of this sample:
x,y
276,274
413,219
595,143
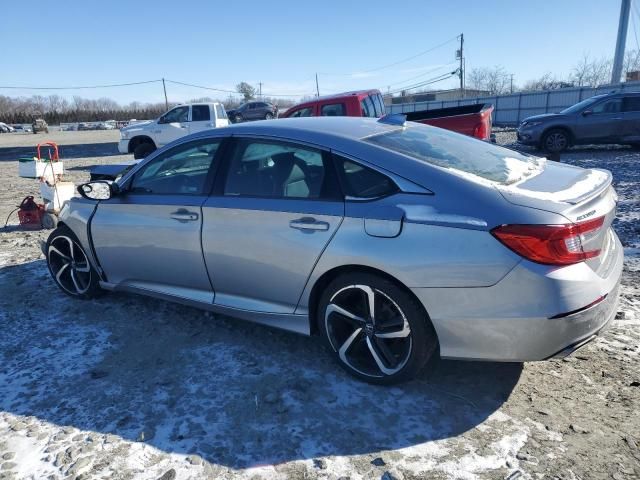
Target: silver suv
x,y
609,118
253,111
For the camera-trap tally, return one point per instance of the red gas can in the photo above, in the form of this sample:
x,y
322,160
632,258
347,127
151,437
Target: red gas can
x,y
30,213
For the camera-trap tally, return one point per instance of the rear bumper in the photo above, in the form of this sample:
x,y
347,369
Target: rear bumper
x,y
522,317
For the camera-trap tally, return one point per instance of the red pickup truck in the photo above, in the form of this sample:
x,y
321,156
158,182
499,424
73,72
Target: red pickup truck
x,y
472,120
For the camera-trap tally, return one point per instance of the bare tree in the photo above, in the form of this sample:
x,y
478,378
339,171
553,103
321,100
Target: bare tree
x,y
247,91
494,80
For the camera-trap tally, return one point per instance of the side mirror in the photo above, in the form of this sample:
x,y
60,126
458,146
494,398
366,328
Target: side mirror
x,y
99,190
586,113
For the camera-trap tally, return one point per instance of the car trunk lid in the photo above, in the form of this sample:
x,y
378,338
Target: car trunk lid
x,y
580,195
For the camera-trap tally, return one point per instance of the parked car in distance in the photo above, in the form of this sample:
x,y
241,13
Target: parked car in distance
x,y
4,128
253,111
608,118
472,120
142,138
394,241
19,128
39,125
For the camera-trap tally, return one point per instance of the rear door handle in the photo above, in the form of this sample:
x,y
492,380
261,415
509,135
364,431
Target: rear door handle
x,y
308,223
183,215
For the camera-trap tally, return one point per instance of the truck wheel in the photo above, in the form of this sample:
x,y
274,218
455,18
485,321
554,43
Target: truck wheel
x,y
555,140
143,150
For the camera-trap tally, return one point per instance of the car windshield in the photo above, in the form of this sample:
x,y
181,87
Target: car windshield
x,y
459,152
581,105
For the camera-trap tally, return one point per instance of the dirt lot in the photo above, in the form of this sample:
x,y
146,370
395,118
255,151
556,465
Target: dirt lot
x,y
129,387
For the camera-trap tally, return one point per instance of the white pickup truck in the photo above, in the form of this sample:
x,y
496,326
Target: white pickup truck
x,y
144,137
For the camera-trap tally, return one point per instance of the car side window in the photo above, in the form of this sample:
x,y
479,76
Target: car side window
x,y
363,182
379,103
333,110
200,113
303,112
182,170
632,104
277,170
178,114
610,106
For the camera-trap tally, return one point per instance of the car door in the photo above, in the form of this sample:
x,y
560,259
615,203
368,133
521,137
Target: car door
x,y
221,115
201,118
271,216
631,119
601,122
148,237
172,125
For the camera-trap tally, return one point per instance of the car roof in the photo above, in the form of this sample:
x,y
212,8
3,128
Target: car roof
x,y
335,96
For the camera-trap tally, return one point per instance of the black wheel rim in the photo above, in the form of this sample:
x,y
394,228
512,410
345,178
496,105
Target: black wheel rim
x,y
368,330
69,265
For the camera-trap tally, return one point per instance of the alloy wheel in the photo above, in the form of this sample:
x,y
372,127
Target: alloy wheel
x,y
69,265
556,142
369,331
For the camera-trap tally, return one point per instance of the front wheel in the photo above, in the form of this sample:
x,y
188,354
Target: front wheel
x,y
69,265
143,150
377,330
555,141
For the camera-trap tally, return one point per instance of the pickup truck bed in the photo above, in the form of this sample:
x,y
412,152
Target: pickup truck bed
x,y
472,120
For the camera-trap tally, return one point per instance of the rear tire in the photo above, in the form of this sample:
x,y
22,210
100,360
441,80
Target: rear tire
x,y
392,345
143,150
69,265
268,116
556,140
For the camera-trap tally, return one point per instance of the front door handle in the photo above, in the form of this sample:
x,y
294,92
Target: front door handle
x,y
183,215
308,223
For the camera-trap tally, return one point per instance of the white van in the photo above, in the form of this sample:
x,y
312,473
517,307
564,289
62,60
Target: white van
x,y
143,138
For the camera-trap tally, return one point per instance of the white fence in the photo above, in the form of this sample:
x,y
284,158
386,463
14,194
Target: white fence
x,y
510,110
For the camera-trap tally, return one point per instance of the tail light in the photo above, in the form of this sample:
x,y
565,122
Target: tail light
x,y
551,244
480,131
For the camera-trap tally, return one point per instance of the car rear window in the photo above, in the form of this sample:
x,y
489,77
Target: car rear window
x,y
459,152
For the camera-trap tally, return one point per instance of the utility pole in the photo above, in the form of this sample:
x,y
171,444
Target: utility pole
x,y
623,25
166,102
511,89
317,87
461,70
260,90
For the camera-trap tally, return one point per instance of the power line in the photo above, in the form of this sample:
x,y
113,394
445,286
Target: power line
x,y
439,78
422,74
202,87
424,52
80,87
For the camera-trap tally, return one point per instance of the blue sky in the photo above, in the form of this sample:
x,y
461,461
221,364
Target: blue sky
x,y
284,43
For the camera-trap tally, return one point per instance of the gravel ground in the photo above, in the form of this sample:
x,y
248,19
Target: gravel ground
x,y
130,387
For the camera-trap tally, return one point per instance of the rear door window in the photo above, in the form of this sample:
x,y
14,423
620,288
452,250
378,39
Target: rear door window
x,y
632,104
379,102
200,113
303,112
333,110
359,181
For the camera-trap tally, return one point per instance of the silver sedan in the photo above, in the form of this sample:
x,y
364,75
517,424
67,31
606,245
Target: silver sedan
x,y
395,242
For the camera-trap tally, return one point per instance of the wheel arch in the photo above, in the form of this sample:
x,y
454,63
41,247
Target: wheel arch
x,y
327,277
139,139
